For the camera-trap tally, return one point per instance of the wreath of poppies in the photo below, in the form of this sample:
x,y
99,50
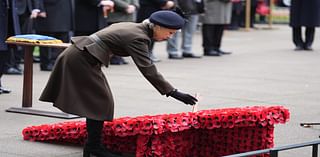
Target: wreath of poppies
x,y
206,133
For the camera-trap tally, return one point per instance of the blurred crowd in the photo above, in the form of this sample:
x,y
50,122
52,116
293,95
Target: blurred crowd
x,y
63,19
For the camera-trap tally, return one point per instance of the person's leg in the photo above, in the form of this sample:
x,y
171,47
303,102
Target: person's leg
x,y
187,36
219,29
206,37
187,33
234,25
94,145
45,55
309,34
3,58
217,37
11,67
297,38
172,47
253,13
94,129
208,40
11,64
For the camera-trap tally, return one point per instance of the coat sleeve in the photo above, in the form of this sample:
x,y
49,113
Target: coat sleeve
x,y
138,50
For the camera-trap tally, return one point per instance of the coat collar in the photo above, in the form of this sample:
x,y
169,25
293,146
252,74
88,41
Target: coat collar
x,y
148,29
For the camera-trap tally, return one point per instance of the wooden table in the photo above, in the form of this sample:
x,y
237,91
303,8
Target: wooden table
x,y
27,82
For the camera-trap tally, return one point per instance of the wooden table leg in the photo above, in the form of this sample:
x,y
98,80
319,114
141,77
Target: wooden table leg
x,y
27,77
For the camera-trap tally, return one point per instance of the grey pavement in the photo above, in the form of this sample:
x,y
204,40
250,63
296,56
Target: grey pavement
x,y
263,70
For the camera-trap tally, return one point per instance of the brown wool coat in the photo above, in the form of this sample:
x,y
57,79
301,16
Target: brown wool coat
x,y
77,84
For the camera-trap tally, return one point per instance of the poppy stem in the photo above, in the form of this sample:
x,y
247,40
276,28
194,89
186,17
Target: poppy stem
x,y
195,107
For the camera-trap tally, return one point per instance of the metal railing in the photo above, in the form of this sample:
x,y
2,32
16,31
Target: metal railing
x,y
274,151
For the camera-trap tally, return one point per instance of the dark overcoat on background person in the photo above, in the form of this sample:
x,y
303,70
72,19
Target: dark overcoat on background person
x,y
3,24
88,16
24,10
59,16
8,16
305,13
78,86
26,6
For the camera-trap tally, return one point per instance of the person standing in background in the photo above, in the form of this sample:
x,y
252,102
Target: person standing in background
x,y
4,29
147,7
217,15
304,14
57,24
237,8
122,13
191,12
253,7
28,10
12,62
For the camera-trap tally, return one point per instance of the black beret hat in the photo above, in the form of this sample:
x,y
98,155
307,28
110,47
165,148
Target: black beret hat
x,y
167,19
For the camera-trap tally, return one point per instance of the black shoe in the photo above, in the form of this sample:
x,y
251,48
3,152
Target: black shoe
x,y
190,55
175,56
98,151
212,53
308,48
224,53
4,90
18,66
13,71
47,67
298,48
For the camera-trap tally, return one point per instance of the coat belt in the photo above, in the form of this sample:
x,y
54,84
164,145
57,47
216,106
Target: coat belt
x,y
97,40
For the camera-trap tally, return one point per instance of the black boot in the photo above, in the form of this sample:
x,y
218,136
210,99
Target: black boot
x,y
93,147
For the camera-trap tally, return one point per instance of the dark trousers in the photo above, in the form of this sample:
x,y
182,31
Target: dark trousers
x,y
15,53
4,55
14,57
236,15
212,36
297,36
49,55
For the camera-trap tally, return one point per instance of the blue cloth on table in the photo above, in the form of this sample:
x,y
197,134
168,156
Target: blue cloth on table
x,y
34,37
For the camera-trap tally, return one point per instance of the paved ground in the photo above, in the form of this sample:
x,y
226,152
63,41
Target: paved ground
x,y
263,70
